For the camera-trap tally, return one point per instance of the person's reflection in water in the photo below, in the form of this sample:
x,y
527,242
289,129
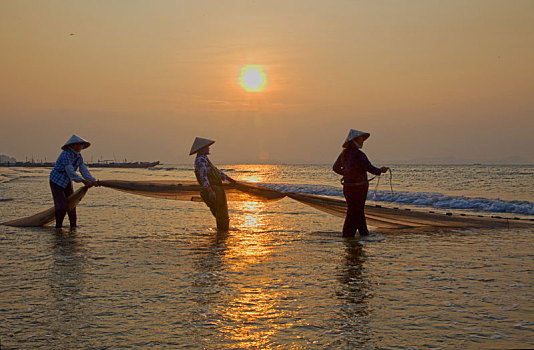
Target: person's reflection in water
x,y
209,262
355,291
66,278
208,285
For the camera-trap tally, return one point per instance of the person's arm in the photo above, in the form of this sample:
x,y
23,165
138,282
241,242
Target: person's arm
x,y
370,167
85,173
225,177
338,165
69,169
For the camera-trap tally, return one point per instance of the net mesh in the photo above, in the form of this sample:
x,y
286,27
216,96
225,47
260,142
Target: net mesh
x,y
377,216
189,190
47,216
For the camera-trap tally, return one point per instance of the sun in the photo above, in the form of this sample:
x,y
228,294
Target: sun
x,y
252,78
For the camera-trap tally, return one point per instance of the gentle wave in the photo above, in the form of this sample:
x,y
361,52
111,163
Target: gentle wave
x,y
424,199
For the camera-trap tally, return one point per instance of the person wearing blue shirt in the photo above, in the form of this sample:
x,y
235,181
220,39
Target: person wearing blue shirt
x,y
354,165
62,175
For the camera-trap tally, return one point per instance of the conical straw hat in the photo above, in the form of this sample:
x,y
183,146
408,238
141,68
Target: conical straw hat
x,y
354,134
76,139
199,144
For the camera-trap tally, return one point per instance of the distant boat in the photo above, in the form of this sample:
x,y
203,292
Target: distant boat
x,y
28,164
104,164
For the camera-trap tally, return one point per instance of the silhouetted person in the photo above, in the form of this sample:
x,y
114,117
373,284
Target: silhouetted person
x,y
211,178
353,164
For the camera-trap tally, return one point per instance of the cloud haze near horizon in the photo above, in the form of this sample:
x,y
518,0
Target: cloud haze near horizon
x,y
431,81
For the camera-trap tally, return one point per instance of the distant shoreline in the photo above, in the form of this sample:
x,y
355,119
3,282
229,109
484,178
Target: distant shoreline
x,y
144,164
390,163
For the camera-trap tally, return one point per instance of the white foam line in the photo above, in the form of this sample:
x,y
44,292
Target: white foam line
x,y
426,199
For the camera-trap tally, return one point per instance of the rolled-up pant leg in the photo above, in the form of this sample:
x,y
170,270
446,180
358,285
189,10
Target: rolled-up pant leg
x,y
355,219
219,207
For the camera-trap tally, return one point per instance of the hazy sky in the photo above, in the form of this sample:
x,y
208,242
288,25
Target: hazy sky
x,y
430,80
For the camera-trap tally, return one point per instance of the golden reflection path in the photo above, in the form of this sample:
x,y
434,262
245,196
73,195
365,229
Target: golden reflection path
x,y
256,302
256,172
252,238
253,304
249,313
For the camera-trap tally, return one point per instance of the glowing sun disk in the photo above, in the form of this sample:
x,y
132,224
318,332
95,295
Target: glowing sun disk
x,y
252,78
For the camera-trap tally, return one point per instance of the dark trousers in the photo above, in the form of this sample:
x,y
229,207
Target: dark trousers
x,y
218,207
355,219
61,203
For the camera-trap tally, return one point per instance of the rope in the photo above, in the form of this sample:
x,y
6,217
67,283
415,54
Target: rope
x,y
390,183
376,187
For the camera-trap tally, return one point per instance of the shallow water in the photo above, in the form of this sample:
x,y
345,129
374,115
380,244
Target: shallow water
x,y
142,272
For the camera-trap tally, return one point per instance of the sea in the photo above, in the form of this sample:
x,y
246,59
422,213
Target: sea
x,y
142,272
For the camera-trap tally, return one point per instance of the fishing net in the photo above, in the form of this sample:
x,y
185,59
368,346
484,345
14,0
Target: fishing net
x,y
377,216
47,216
394,218
189,190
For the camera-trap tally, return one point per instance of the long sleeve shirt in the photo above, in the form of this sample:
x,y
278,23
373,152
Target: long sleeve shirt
x,y
66,166
354,165
202,167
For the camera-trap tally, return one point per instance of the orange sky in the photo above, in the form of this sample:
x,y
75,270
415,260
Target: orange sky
x,y
430,80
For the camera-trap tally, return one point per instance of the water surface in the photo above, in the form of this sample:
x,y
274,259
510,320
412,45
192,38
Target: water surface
x,y
142,272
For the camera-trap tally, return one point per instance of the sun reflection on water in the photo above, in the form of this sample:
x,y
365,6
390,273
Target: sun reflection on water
x,y
250,241
256,172
250,309
254,302
253,178
253,299
252,218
